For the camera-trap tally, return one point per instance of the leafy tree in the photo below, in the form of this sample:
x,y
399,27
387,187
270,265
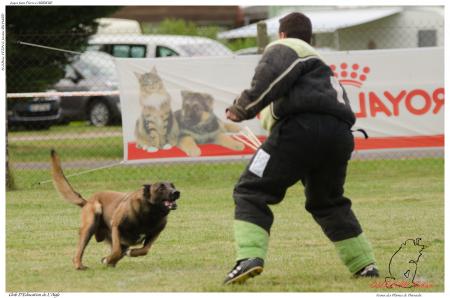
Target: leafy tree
x,y
241,43
172,26
67,27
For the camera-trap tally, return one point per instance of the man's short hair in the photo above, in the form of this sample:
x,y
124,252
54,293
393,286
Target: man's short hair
x,y
296,25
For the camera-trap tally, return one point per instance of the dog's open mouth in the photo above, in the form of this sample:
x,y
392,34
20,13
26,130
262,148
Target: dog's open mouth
x,y
171,205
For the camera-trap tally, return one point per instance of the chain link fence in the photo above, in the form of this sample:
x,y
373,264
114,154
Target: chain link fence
x,y
84,125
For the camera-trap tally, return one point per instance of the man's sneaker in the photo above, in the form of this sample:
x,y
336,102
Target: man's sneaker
x,y
368,271
243,270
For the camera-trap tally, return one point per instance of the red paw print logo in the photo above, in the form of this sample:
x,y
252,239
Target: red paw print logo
x,y
354,75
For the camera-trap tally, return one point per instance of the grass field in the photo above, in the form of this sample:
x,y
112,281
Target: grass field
x,y
76,141
394,200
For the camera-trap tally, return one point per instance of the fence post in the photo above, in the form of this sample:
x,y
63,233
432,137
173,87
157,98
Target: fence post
x,y
10,185
262,39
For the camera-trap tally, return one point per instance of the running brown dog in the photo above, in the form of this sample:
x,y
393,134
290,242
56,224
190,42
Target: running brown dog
x,y
121,219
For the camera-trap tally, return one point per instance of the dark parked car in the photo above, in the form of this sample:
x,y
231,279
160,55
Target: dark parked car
x,y
91,71
33,113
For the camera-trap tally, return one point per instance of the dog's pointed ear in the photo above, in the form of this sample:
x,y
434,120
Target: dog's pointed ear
x,y
209,100
146,193
186,94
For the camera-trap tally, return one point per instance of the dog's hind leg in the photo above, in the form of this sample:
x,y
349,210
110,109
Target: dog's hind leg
x,y
90,218
189,146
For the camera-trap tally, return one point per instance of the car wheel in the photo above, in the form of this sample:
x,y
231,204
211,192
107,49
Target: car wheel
x,y
99,114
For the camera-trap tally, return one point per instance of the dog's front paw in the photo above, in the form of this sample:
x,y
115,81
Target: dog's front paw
x,y
128,252
107,263
238,146
231,127
193,152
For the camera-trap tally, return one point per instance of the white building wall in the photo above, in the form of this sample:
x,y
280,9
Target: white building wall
x,y
397,31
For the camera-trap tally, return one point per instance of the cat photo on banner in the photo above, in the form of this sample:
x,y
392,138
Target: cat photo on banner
x,y
156,127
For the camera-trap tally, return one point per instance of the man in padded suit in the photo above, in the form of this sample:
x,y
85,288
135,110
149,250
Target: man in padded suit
x,y
309,117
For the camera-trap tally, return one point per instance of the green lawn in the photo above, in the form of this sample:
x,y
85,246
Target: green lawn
x,y
77,141
394,200
72,127
105,148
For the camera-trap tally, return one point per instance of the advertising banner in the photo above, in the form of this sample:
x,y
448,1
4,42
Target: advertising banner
x,y
174,108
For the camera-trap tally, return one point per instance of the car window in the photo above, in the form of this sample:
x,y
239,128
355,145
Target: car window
x,y
121,51
126,51
162,51
137,51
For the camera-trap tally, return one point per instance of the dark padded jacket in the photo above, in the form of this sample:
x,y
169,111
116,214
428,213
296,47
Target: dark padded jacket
x,y
291,78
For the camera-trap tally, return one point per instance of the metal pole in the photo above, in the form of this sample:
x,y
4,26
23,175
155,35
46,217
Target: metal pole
x,y
262,39
9,179
337,43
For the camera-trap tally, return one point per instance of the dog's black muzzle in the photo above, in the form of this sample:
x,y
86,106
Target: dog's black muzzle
x,y
175,195
171,203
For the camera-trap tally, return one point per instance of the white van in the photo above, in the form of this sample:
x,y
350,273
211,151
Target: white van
x,y
115,26
141,46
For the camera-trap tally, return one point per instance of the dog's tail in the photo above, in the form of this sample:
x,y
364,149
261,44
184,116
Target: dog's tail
x,y
61,184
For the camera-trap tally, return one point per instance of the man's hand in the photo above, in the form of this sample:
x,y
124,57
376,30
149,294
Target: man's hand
x,y
231,116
